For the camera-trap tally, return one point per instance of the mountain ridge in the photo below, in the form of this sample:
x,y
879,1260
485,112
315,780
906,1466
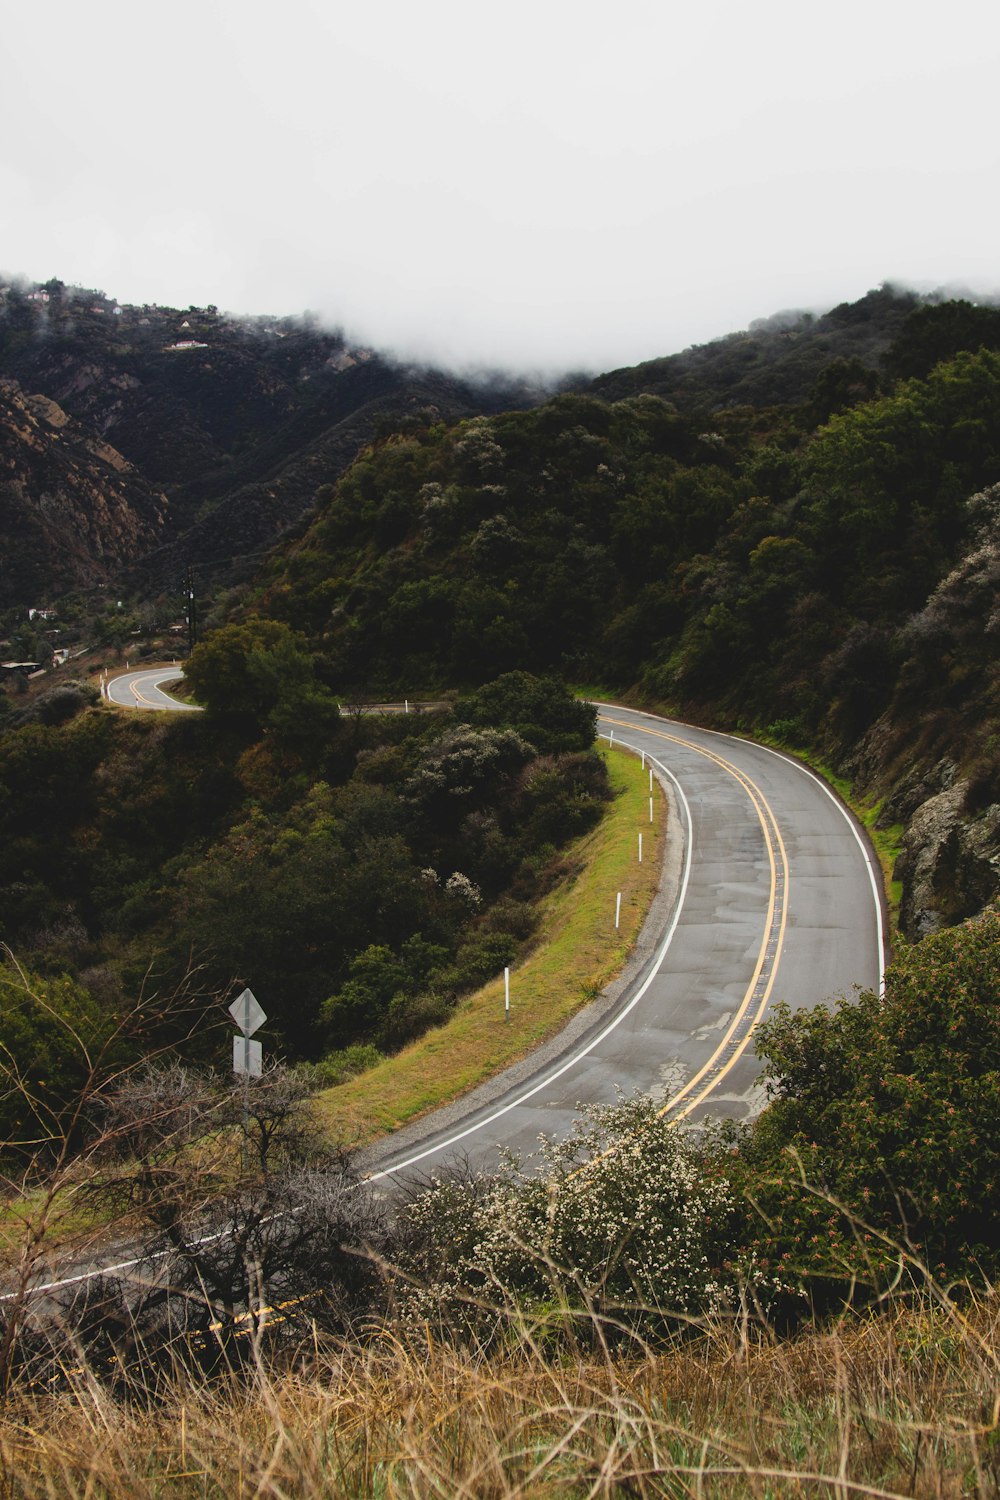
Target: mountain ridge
x,y
217,413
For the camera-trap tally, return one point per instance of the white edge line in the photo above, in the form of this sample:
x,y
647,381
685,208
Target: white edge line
x,y
570,1062
790,760
135,1260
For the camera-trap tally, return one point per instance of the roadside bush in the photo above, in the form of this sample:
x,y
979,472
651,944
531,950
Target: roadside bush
x,y
410,1015
338,1066
563,797
627,1218
889,1106
381,983
481,958
60,704
541,710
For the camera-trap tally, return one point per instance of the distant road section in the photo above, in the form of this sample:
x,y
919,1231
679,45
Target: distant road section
x,y
145,690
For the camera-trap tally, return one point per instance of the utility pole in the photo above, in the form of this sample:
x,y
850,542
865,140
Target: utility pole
x,y
191,609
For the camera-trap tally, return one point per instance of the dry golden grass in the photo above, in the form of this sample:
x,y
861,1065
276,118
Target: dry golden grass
x,y
580,951
901,1404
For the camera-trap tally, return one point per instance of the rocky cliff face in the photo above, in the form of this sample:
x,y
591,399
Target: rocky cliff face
x,y
932,757
73,510
950,861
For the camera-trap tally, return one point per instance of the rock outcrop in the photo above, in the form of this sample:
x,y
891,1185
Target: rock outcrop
x,y
73,511
949,864
932,757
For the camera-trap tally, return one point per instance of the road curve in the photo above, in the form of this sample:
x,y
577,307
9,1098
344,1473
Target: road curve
x,y
778,898
144,689
773,895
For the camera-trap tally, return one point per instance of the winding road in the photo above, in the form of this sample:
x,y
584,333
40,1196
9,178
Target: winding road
x,y
777,897
144,689
771,893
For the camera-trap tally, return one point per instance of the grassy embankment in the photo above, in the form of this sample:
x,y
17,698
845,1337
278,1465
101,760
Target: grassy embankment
x,y
578,953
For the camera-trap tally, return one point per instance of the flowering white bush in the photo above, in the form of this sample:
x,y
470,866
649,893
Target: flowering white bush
x,y
476,448
627,1215
461,888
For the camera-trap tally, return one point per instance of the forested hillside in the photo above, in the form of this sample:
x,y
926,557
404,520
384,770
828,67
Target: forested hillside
x,y
832,585
235,420
792,532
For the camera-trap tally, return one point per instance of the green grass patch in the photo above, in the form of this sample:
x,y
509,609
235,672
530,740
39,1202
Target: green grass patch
x,y
579,953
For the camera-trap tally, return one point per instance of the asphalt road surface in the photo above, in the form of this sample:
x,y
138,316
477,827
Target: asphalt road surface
x,y
145,690
775,896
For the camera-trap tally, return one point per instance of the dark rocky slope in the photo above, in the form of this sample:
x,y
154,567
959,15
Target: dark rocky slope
x,y
73,510
236,420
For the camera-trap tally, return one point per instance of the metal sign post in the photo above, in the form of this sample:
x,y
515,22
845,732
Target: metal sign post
x,y
248,1056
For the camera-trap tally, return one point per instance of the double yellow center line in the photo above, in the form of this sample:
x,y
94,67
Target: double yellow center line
x,y
751,1009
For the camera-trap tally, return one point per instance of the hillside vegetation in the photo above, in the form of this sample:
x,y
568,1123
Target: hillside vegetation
x,y
831,586
234,420
791,533
782,1309
823,571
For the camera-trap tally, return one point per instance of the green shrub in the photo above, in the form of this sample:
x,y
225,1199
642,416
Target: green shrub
x,y
891,1106
338,1067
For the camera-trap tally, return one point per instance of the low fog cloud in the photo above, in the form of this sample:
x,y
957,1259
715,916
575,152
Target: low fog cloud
x,y
543,187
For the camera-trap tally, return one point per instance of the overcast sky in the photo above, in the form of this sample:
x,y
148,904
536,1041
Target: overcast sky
x,y
542,184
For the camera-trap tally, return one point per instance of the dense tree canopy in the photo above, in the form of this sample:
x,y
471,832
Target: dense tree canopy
x,y
261,673
359,874
754,569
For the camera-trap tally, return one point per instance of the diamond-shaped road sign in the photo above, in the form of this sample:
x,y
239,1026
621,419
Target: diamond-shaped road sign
x,y
246,1012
